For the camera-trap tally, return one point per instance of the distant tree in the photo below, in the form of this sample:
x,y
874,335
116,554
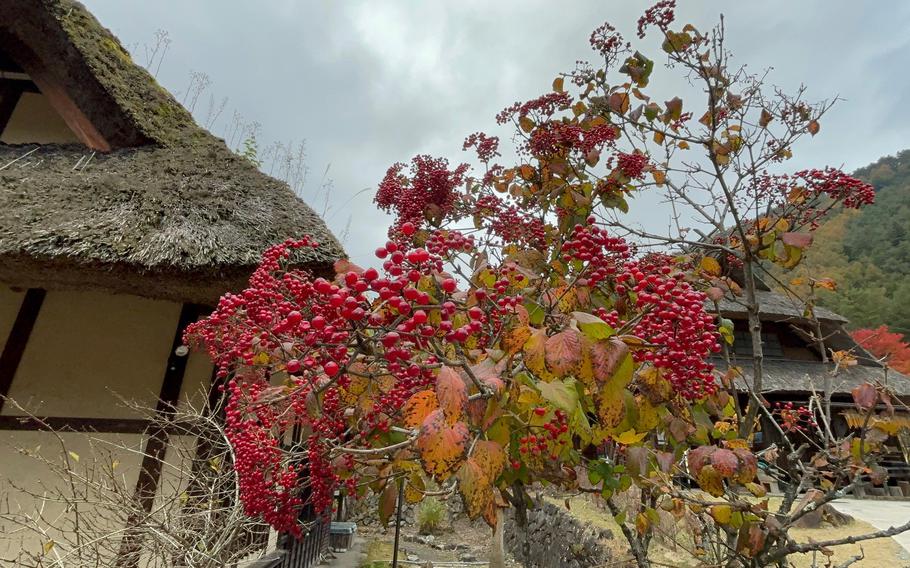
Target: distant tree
x,y
883,343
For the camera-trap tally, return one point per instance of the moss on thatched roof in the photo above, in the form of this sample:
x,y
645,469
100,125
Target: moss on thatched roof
x,y
152,210
121,99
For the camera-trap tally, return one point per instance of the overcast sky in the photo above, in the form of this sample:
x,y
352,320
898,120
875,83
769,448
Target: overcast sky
x,y
367,84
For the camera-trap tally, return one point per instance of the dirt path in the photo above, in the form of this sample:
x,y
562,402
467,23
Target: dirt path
x,y
879,514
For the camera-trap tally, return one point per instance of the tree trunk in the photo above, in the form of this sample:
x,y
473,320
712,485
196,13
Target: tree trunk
x,y
497,547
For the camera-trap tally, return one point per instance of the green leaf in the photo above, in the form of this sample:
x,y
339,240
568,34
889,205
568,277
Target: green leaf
x,y
620,518
592,326
561,394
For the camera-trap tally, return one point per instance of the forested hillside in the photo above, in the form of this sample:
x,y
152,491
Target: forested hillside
x,y
867,251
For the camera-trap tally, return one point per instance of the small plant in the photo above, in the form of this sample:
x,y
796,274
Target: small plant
x,y
431,514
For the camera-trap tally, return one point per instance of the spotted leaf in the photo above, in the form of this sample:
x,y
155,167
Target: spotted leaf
x,y
452,394
418,407
441,445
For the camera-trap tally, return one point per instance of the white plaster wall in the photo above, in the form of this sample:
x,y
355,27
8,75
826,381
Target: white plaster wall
x,y
35,120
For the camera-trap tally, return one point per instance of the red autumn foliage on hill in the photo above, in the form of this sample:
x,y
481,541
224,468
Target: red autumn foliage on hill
x,y
884,343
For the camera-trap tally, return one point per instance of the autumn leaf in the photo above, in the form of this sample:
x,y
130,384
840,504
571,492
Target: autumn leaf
x,y
698,457
418,407
710,266
558,85
725,462
563,352
475,488
526,124
414,489
514,339
864,396
630,437
798,240
388,500
608,358
491,458
452,393
442,446
710,480
659,177
813,127
721,514
765,118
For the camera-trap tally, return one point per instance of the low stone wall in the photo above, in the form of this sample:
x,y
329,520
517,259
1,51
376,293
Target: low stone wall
x,y
554,539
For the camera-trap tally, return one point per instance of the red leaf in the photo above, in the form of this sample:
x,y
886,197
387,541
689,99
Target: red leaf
x,y
698,457
864,396
725,462
798,240
563,352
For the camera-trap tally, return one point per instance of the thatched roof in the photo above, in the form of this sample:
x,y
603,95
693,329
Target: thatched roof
x,y
774,306
803,376
171,212
164,214
71,48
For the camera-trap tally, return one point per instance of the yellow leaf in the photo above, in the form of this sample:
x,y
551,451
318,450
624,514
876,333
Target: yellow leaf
x,y
475,488
261,358
115,464
48,546
658,137
710,266
74,455
414,489
630,437
514,339
721,513
682,145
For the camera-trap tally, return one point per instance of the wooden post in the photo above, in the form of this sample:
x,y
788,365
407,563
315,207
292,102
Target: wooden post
x,y
18,339
398,521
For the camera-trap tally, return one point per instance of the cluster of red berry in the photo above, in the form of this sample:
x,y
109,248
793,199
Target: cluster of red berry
x,y
672,317
794,418
509,224
428,191
632,165
549,443
660,15
487,147
606,41
541,107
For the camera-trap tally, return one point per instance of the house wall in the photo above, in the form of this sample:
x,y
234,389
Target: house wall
x,y
87,352
34,120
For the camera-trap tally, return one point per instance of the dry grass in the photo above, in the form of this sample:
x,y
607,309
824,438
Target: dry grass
x,y
878,553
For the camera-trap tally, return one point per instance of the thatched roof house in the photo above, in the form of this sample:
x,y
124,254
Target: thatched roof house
x,y
793,364
147,202
121,222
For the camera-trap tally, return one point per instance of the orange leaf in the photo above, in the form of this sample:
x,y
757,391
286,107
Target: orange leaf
x,y
452,393
418,407
813,127
490,457
514,339
441,446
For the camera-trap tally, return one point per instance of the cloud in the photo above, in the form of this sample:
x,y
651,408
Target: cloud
x,y
371,83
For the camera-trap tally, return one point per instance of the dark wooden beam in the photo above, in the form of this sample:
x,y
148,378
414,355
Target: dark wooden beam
x,y
18,339
10,93
156,446
75,424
